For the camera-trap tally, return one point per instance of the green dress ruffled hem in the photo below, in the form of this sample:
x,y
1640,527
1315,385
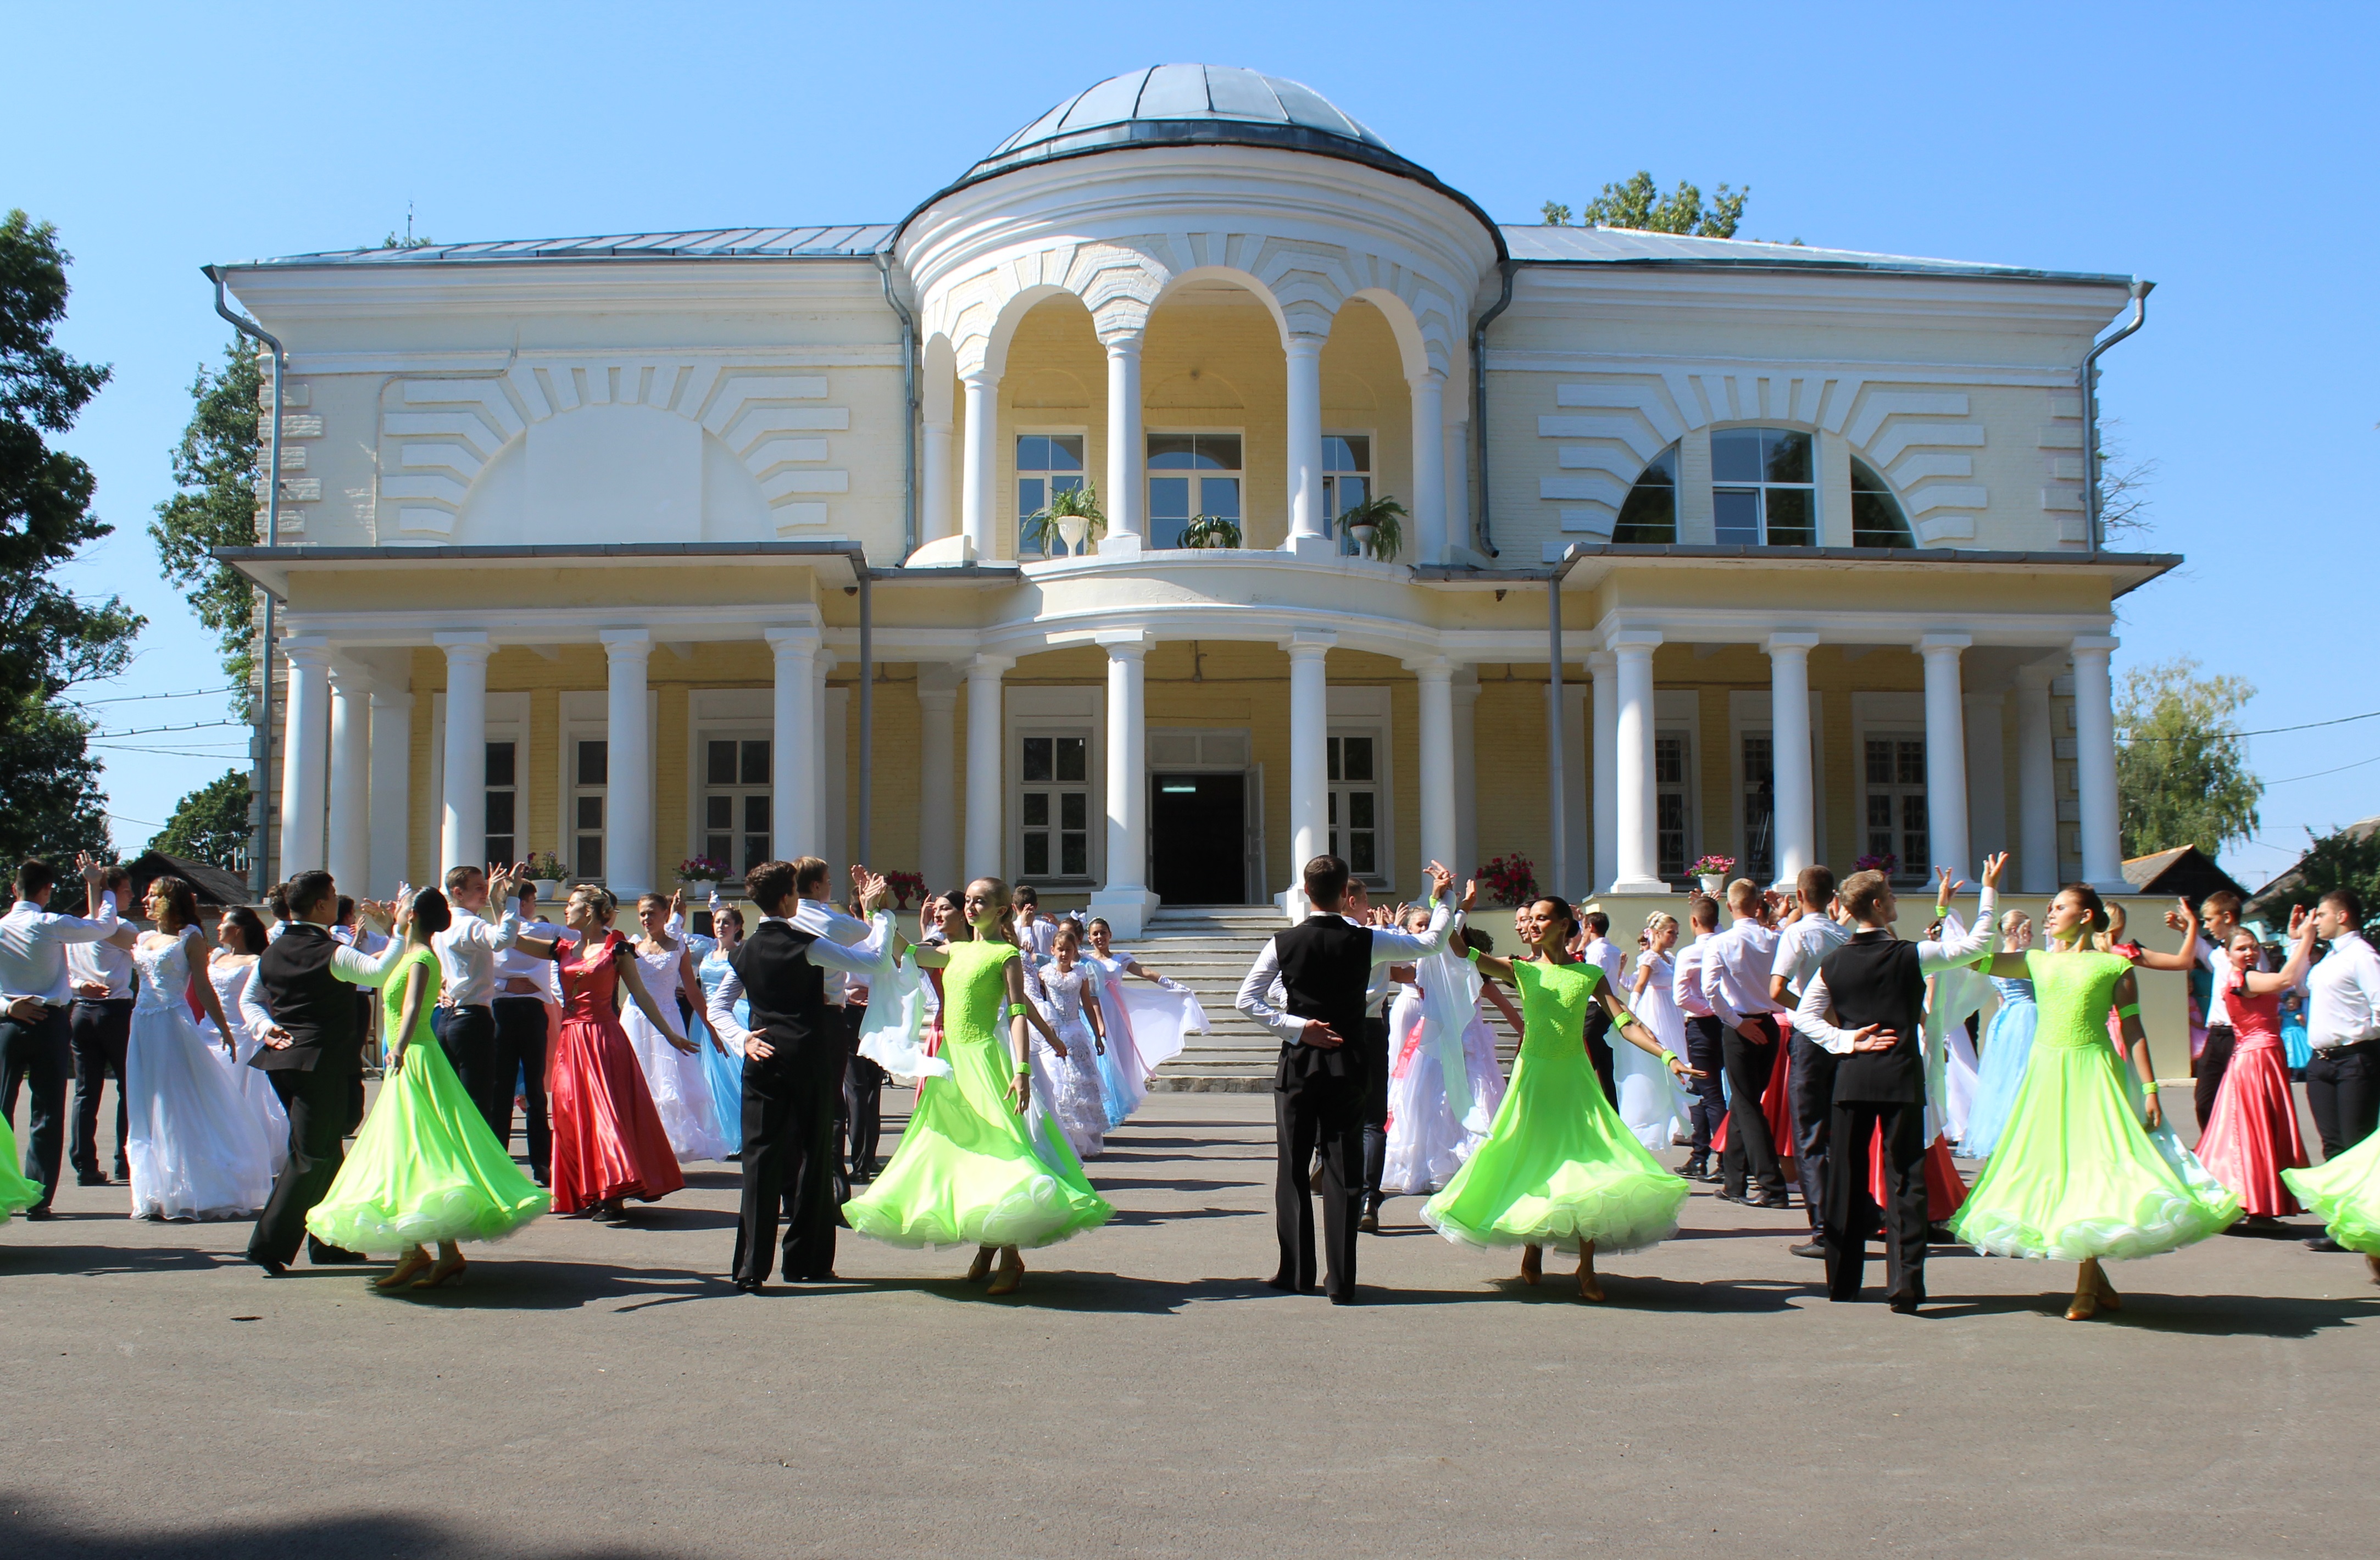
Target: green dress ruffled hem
x,y
2345,1194
16,1194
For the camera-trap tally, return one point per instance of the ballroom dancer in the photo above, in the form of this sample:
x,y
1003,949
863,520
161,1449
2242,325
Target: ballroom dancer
x,y
1866,1005
1070,1075
1735,971
526,1007
1445,1085
1145,1029
675,1073
313,1056
2209,948
1325,965
1599,951
198,1152
723,1061
2076,1177
1559,1166
426,1167
98,1026
1802,945
466,1021
2007,1045
2343,1083
608,1144
1650,1101
2251,1137
239,942
970,1170
1705,1038
36,992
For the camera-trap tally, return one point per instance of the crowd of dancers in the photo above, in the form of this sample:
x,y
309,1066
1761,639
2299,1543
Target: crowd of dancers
x,y
1806,1047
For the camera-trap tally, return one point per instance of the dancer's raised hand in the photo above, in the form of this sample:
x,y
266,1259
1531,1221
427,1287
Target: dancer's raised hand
x,y
1995,866
1441,882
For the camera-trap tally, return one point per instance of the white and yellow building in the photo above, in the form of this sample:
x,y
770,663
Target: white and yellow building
x,y
641,547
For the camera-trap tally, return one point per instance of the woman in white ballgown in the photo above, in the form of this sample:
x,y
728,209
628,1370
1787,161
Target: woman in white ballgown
x,y
1144,1029
1071,1083
681,1090
196,1149
239,937
1650,1101
1427,1142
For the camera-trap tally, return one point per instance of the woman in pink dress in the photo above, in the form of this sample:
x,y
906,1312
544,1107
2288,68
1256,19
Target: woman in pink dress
x,y
608,1144
2252,1135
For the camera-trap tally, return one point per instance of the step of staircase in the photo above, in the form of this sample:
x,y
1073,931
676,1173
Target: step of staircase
x,y
1208,948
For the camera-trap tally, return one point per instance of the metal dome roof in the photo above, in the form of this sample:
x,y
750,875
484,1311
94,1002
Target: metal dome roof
x,y
1178,103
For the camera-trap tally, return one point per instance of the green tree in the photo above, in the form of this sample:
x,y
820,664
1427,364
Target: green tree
x,y
49,641
2182,776
2342,859
1556,214
1639,203
217,465
211,824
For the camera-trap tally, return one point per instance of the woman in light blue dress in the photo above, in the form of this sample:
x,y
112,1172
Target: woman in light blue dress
x,y
2007,1045
724,1068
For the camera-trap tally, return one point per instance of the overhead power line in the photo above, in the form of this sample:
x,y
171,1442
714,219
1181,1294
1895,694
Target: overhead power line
x,y
151,730
2268,731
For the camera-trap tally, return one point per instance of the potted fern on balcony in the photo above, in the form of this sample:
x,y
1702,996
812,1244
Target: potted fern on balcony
x,y
1210,531
1071,517
1376,524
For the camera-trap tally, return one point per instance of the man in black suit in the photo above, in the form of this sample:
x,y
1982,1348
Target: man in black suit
x,y
1866,1006
792,1073
314,1057
1307,986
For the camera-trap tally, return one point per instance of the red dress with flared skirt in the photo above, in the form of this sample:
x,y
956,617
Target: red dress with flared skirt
x,y
2252,1135
608,1139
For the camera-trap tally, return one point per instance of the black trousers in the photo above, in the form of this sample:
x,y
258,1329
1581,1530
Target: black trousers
x,y
467,1035
100,1032
1706,1054
38,1055
1376,1106
1852,1213
2342,1090
1812,1087
1599,1050
863,1096
318,1103
789,1165
521,1053
1750,1151
1318,1114
2207,1072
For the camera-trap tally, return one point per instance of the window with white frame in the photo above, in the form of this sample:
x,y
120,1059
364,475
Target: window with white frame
x,y
1047,464
504,802
589,770
1877,516
1356,814
1346,479
1650,512
1190,475
1764,488
1054,805
1895,799
1755,751
736,799
1673,812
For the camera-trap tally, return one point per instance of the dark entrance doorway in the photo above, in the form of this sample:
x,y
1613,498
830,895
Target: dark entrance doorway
x,y
1196,828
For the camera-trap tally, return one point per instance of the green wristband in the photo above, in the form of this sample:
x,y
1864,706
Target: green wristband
x,y
1667,1058
2129,1010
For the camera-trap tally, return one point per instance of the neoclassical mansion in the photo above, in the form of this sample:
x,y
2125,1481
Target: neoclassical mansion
x,y
641,548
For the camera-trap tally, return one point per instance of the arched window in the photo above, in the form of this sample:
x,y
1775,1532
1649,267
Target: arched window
x,y
1651,514
1877,519
1764,488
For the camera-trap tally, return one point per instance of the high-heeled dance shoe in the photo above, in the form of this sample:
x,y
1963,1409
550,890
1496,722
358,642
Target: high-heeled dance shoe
x,y
403,1273
1010,1278
442,1274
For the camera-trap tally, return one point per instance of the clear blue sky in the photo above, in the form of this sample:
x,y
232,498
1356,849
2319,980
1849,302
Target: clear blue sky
x,y
2219,152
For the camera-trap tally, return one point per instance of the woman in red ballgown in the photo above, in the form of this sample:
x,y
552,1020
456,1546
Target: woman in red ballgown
x,y
608,1144
2252,1135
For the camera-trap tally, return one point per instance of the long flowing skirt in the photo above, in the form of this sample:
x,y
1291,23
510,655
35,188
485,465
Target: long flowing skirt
x,y
722,1070
1427,1144
1120,1090
2345,1194
681,1090
608,1140
2007,1045
196,1148
253,1086
2252,1135
1078,1098
2076,1177
16,1194
424,1168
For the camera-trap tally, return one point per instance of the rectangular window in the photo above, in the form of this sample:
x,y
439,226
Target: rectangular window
x,y
1354,818
1759,807
1054,807
1046,464
735,801
1895,804
1672,813
1346,480
589,773
503,803
1191,474
1764,491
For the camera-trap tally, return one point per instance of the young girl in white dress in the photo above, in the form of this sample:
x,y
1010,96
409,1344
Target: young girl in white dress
x,y
681,1089
196,1150
239,937
1071,1083
1650,1101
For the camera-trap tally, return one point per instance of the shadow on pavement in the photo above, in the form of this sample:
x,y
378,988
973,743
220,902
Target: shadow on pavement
x,y
1058,1290
1733,1296
2266,1316
42,1533
104,1260
497,1283
1135,1217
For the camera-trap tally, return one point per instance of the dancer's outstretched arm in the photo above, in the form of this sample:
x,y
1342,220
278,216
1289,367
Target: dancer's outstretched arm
x,y
2136,1041
1629,1024
2175,964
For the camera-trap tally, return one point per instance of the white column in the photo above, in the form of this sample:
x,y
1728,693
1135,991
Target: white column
x,y
934,483
1987,775
1309,758
985,742
392,783
1309,528
305,754
628,765
938,856
1430,466
2036,781
2094,763
1789,747
834,753
1435,677
463,810
819,759
1466,774
978,509
1946,754
1126,900
348,847
1637,845
793,747
1603,672
1458,484
1126,498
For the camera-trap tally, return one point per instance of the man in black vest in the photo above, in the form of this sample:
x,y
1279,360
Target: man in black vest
x,y
792,1073
314,1057
1866,1006
1307,986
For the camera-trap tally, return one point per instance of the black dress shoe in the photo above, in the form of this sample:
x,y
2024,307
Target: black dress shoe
x,y
41,1212
1809,1248
1724,1195
336,1256
90,1177
1345,1300
2319,1243
746,1286
1777,1203
1369,1223
1906,1305
273,1268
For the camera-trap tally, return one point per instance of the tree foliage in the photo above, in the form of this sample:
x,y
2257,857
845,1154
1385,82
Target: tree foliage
x,y
217,465
1638,202
49,641
2181,776
2343,859
211,824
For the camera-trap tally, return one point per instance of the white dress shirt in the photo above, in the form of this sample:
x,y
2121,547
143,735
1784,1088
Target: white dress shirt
x,y
346,964
1815,1015
467,953
1735,972
1802,948
512,965
1686,979
103,961
1389,947
821,920
1608,957
865,957
34,945
2343,995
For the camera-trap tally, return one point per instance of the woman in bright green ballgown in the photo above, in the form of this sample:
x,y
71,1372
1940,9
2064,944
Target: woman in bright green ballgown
x,y
425,1167
1559,1165
16,1194
971,1171
2077,1176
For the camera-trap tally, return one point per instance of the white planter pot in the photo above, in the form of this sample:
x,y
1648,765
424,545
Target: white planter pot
x,y
1363,536
1712,883
548,888
700,890
1072,529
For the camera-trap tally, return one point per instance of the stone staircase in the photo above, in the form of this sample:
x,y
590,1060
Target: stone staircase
x,y
1208,948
